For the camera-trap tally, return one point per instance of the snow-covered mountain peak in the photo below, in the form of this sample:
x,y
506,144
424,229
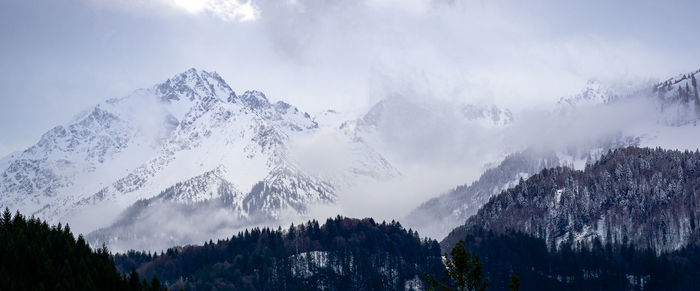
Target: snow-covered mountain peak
x,y
487,115
593,93
185,90
194,85
190,138
391,109
254,99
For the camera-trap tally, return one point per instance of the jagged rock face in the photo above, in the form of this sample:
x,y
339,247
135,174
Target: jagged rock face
x,y
190,141
42,171
646,197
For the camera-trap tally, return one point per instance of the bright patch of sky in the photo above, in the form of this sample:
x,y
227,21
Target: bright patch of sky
x,y
227,10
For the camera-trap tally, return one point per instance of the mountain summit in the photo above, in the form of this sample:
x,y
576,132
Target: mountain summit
x,y
190,141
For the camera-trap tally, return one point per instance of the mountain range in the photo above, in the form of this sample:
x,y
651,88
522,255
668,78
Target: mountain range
x,y
631,196
189,159
660,114
189,142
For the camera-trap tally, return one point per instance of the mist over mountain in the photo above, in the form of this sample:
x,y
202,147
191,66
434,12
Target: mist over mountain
x,y
197,160
188,143
637,196
199,144
578,131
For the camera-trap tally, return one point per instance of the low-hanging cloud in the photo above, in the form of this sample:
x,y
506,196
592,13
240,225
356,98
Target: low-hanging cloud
x,y
326,54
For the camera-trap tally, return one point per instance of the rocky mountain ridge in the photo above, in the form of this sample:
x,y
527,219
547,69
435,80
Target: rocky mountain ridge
x,y
191,136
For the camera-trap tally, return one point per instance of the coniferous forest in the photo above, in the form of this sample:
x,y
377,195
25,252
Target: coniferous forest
x,y
36,256
581,267
361,254
342,254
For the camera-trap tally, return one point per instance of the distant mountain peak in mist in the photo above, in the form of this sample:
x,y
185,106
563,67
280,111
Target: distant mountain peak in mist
x,y
669,118
594,92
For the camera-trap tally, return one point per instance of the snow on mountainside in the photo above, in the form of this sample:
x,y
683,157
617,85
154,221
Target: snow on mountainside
x,y
332,118
631,196
73,159
487,116
415,134
662,114
387,109
191,136
678,99
438,216
593,93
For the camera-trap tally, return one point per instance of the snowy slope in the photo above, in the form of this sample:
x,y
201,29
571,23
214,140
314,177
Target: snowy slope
x,y
192,134
678,99
593,93
580,130
421,133
636,196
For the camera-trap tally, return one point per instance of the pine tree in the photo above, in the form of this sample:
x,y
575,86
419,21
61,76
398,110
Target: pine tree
x,y
464,270
134,283
514,283
155,284
6,217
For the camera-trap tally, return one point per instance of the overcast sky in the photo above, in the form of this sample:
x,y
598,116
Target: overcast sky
x,y
59,57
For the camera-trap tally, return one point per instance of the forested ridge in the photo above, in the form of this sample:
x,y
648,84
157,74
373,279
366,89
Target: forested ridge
x,y
342,254
626,222
36,256
649,198
579,266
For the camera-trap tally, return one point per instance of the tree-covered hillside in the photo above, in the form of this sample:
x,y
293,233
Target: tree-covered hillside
x,y
342,254
596,266
649,198
627,222
36,256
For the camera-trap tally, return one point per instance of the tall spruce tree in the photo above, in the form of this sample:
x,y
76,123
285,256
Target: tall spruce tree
x,y
463,272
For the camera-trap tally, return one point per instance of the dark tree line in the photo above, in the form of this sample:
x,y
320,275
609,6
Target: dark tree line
x,y
36,256
629,221
595,266
342,254
463,272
